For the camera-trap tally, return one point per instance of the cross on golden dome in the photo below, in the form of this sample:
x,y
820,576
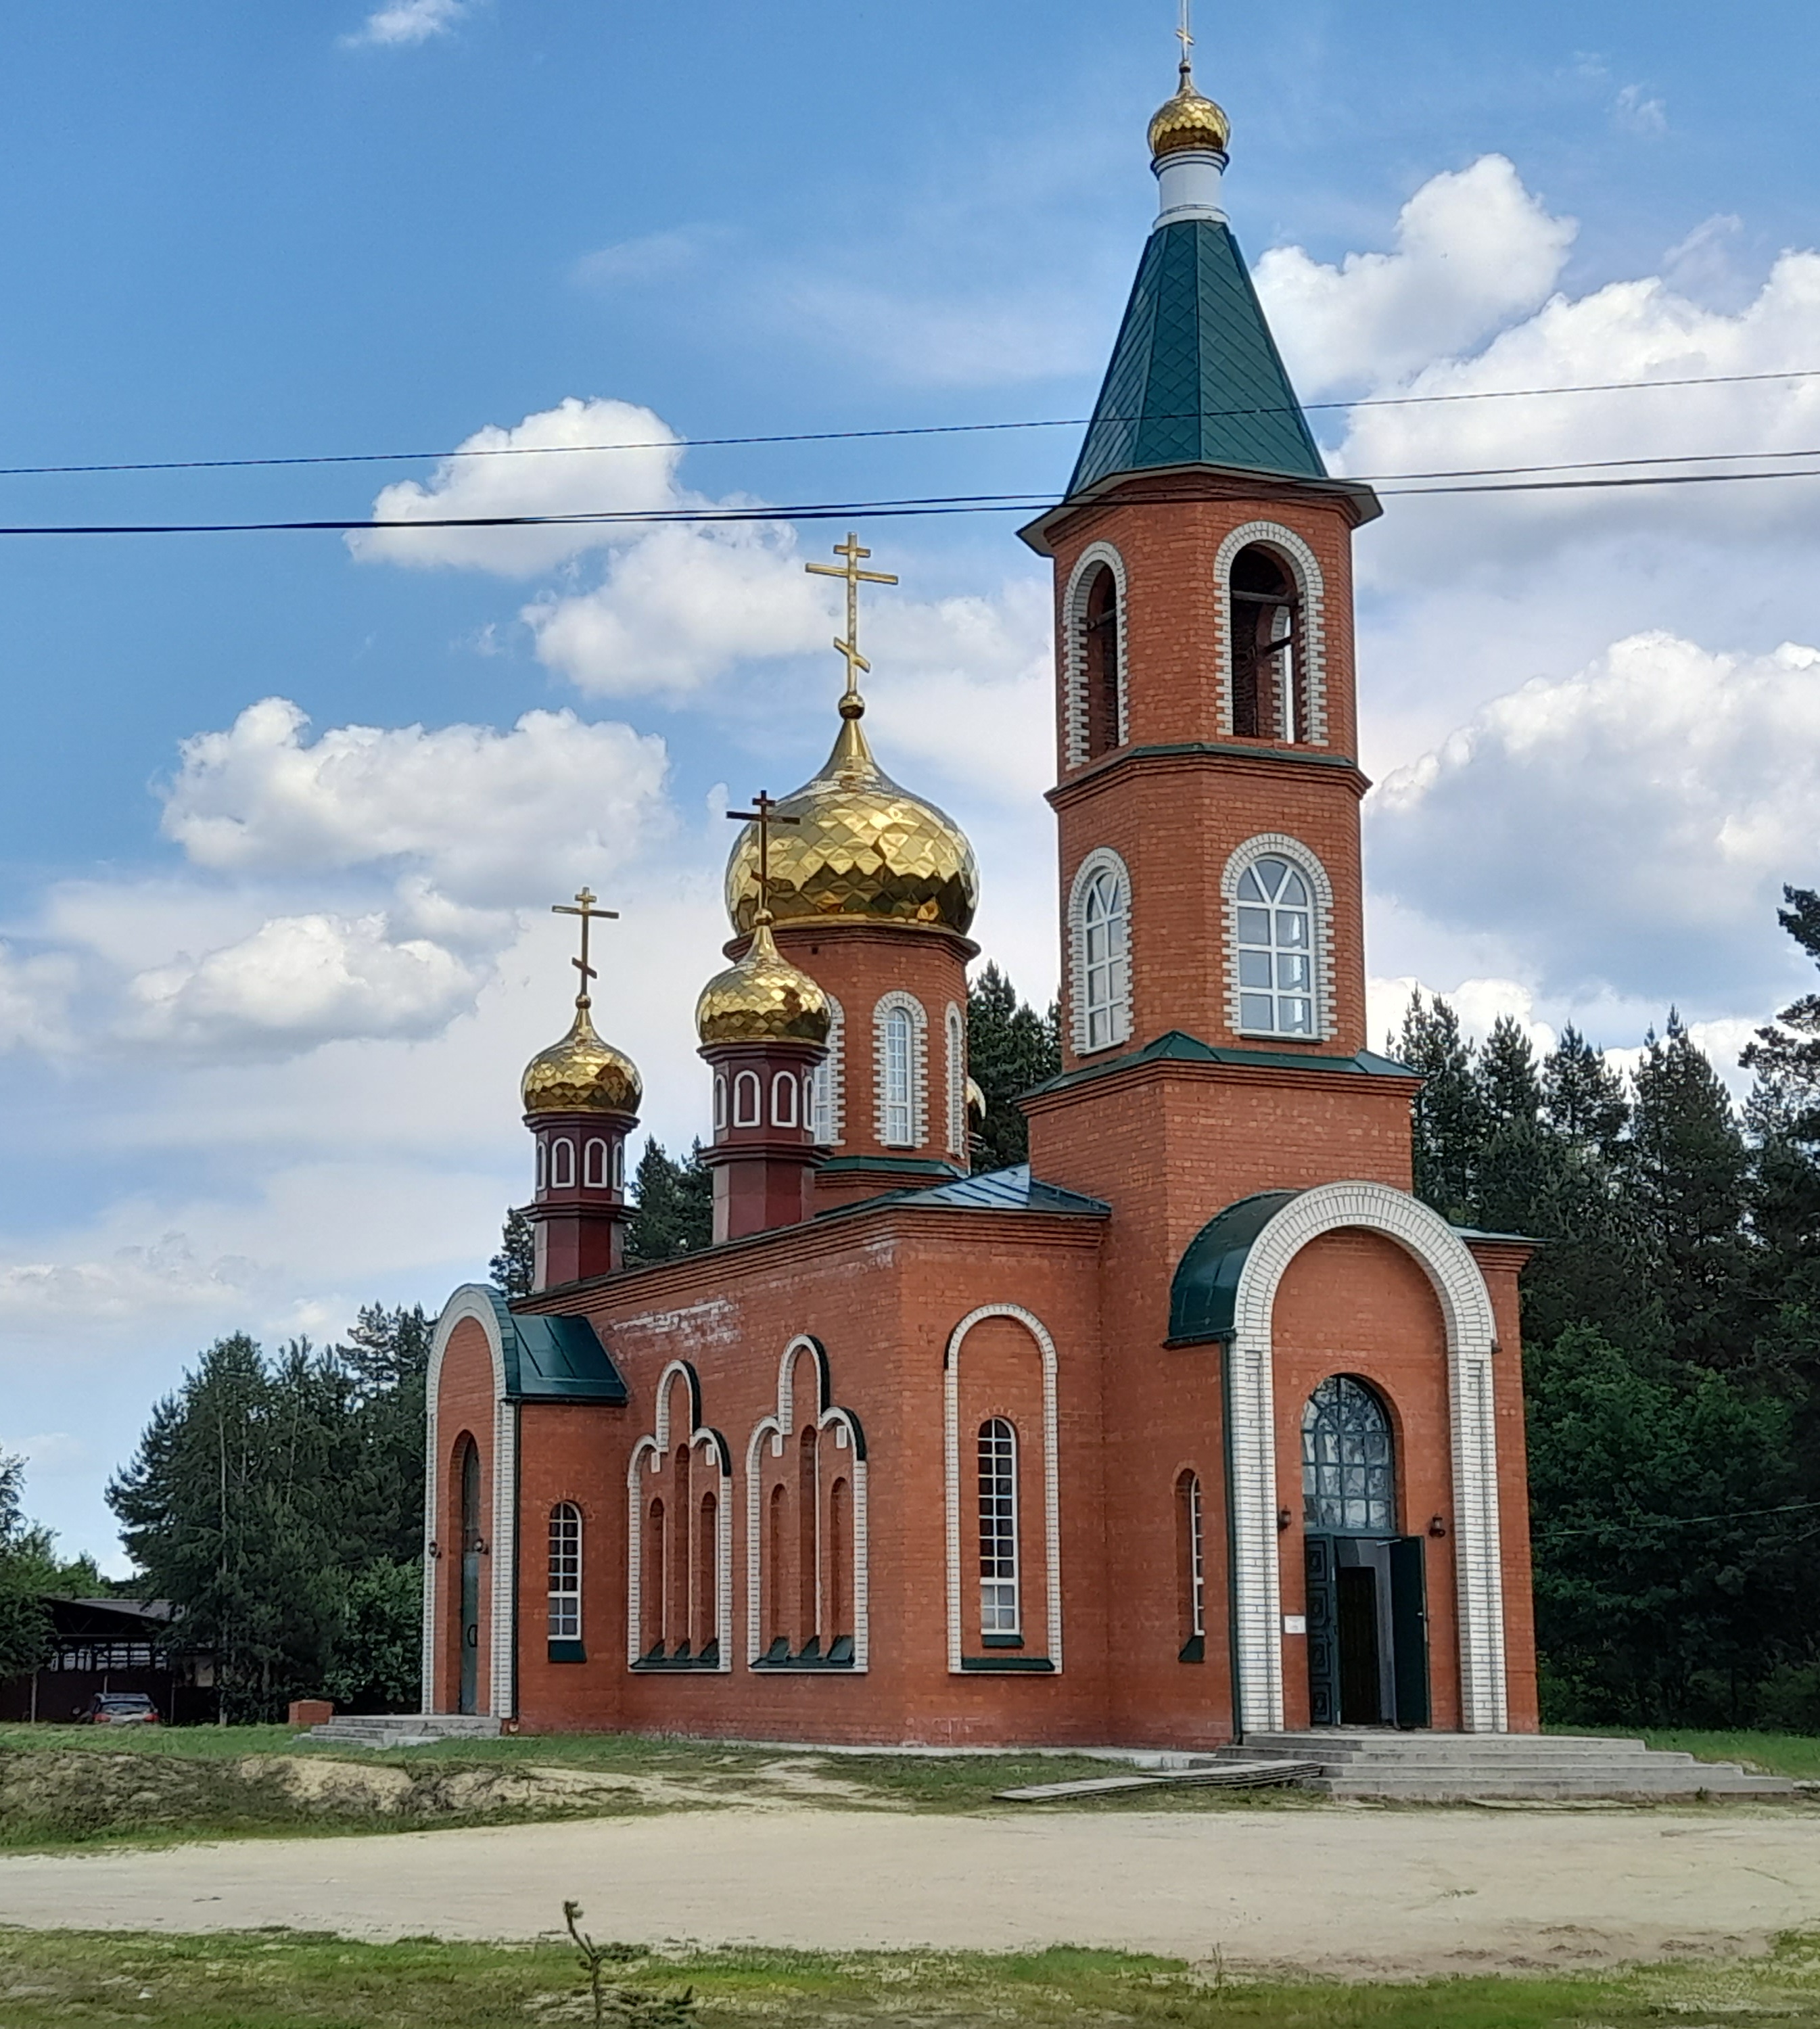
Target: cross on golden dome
x,y
852,703
584,907
764,814
1184,34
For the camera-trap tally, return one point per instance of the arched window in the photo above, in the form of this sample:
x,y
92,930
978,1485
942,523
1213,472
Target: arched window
x,y
651,1588
747,1099
1105,965
776,1549
1192,1566
619,1165
839,1567
707,1580
565,1572
828,1081
720,1101
562,1164
900,1048
1276,948
594,1165
1268,694
1101,661
1348,1462
784,1099
999,1613
542,1166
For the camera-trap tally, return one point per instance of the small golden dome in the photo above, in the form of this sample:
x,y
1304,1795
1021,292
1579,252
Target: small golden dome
x,y
864,848
581,1074
763,998
1188,121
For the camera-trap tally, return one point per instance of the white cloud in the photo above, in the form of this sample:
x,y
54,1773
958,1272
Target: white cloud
x,y
129,1284
401,23
650,257
1625,829
1479,1003
485,817
580,458
1474,249
1636,112
34,996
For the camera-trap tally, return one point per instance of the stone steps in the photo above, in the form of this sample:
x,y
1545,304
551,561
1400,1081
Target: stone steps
x,y
403,1729
1435,1767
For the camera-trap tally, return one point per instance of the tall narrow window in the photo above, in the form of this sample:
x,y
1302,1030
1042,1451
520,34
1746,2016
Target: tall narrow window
x,y
1193,1552
776,1545
1105,974
957,1085
999,1613
707,1579
595,1168
747,1099
565,1572
808,1562
562,1165
839,1562
1276,940
899,1042
1102,656
651,1586
1266,620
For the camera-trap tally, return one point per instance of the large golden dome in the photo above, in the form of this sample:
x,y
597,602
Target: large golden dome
x,y
763,998
1188,121
581,1074
864,849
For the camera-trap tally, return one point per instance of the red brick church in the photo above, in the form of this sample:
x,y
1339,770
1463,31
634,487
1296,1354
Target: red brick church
x,y
1198,1426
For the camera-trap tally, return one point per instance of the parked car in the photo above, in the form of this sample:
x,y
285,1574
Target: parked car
x,y
121,1709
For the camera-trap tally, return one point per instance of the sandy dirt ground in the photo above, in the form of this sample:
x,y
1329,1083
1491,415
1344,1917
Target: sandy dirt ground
x,y
1356,1893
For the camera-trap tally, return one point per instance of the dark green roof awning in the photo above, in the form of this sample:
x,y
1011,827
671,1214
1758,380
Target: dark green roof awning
x,y
555,1358
1195,377
1205,1287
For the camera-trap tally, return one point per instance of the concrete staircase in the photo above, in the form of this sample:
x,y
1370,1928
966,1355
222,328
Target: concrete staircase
x,y
404,1730
1443,1768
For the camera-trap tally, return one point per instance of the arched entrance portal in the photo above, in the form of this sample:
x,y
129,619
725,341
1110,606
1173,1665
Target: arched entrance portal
x,y
469,1622
1366,1595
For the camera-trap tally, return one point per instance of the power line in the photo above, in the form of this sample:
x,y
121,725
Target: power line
x,y
984,503
1638,1523
906,430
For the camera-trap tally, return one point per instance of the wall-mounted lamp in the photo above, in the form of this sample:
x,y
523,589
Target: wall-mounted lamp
x,y
1438,1526
1284,1520
436,1549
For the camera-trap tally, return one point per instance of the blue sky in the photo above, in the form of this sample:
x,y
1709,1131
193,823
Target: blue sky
x,y
266,978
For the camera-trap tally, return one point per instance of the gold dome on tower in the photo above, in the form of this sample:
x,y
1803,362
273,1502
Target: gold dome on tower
x,y
763,998
581,1074
1188,121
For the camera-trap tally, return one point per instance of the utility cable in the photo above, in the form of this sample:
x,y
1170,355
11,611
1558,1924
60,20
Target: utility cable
x,y
906,430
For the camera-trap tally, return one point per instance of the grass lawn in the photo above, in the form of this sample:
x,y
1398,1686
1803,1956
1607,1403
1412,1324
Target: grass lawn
x,y
285,1980
1796,1754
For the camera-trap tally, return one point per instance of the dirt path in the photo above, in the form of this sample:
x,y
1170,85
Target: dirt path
x,y
1341,1891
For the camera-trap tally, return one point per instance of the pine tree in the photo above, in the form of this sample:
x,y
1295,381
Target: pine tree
x,y
513,1268
1010,1050
1583,1098
675,1207
1683,1165
1449,1123
25,1624
1786,1059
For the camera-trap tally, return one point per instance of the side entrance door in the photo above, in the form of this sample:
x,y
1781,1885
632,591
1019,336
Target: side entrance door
x,y
1367,1642
469,1700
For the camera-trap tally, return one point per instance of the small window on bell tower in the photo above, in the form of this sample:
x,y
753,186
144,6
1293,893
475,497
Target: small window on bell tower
x,y
1103,660
1270,699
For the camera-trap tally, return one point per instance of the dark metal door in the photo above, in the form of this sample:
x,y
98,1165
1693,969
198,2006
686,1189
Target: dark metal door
x,y
469,1700
1323,1631
1409,1625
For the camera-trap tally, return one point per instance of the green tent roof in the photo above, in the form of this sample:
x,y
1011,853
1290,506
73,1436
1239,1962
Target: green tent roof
x,y
1195,377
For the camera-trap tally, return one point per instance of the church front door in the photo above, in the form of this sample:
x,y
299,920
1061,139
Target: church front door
x,y
1367,1630
467,1699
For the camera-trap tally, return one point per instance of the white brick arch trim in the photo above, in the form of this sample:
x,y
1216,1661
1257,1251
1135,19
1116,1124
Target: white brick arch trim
x,y
850,1437
1471,1335
1045,1346
474,1301
830,1079
1280,845
651,1451
1103,859
1305,568
1074,649
919,1067
955,1028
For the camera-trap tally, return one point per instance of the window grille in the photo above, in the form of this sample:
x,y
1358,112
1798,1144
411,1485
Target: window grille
x,y
565,1572
1197,1560
1276,949
900,1045
1348,1468
999,1613
1106,973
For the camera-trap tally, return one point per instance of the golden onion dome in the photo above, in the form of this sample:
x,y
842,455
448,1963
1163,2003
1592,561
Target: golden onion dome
x,y
1188,121
861,848
763,998
581,1074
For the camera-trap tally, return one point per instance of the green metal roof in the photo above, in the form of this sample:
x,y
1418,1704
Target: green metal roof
x,y
1205,1287
554,1359
1178,1047
1010,1189
1195,377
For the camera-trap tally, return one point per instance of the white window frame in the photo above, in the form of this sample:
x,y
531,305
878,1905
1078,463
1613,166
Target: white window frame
x,y
955,1025
1101,863
720,1102
1277,845
914,1107
1076,714
596,1165
783,1099
1304,567
1197,1559
562,1164
564,1515
744,1084
1001,1576
826,1116
542,1164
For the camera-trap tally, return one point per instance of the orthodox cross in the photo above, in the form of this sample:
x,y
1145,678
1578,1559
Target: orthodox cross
x,y
1184,34
584,907
855,577
764,814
